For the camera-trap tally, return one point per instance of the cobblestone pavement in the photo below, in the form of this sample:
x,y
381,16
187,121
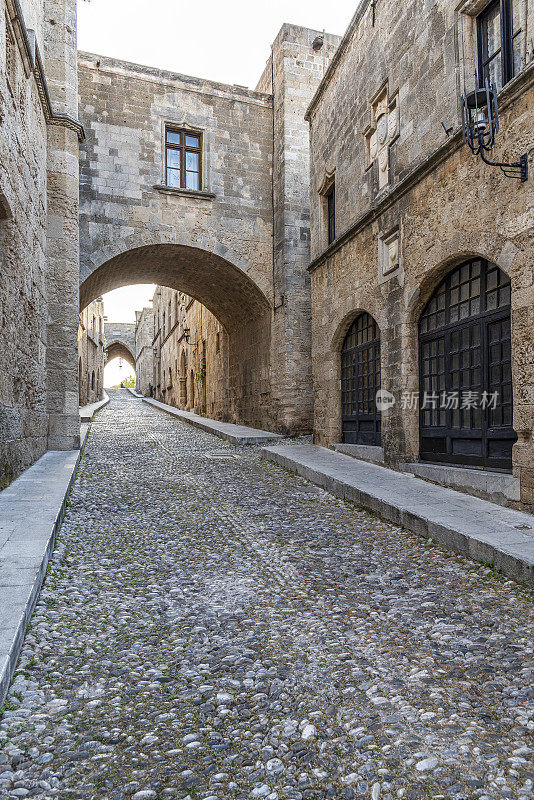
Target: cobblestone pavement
x,y
215,627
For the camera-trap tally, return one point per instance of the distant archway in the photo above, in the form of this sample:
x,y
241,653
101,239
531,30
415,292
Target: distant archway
x,y
120,350
232,296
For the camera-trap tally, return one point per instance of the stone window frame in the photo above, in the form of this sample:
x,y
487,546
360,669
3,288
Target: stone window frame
x,y
183,148
467,14
326,188
206,145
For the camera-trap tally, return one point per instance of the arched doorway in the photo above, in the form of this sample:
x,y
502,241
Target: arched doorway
x,y
360,381
465,369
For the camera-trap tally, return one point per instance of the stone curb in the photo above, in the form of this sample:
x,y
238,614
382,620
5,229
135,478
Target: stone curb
x,y
135,392
31,513
235,434
470,526
87,412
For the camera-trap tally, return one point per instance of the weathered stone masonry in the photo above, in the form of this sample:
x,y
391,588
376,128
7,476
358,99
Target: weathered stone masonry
x,y
411,204
215,245
38,231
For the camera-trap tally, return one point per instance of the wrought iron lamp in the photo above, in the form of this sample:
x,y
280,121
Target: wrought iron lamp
x,y
480,125
186,332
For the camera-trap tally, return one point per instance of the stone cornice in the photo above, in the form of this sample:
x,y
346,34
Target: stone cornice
x,y
520,84
173,80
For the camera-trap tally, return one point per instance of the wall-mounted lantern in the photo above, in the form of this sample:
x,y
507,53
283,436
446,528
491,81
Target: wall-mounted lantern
x,y
480,125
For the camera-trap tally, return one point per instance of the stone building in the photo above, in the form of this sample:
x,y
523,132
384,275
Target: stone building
x,y
190,355
144,354
418,284
91,352
178,187
38,231
421,262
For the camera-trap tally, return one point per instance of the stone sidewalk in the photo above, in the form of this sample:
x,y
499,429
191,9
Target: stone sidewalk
x,y
475,528
235,434
31,510
214,627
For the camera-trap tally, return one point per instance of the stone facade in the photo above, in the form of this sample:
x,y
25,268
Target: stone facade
x,y
261,294
38,169
190,355
134,228
144,353
91,352
411,203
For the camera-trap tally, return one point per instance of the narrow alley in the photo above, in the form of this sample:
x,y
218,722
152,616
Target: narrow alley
x,y
212,626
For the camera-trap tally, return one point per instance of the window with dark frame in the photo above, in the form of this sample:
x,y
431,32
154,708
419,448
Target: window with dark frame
x,y
499,42
183,159
331,213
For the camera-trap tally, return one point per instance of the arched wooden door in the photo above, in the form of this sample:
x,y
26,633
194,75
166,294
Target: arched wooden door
x,y
360,381
465,369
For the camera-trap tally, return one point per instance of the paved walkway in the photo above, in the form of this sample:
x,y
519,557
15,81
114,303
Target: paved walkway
x,y
213,626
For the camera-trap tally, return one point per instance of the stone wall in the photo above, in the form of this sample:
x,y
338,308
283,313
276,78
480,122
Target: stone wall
x,y
23,306
190,355
144,357
136,229
411,204
292,75
91,353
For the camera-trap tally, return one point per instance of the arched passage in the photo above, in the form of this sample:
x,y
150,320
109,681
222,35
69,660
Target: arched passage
x,y
226,290
118,349
233,298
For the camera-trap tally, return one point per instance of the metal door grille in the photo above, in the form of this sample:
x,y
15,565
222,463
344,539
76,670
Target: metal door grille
x,y
360,381
465,369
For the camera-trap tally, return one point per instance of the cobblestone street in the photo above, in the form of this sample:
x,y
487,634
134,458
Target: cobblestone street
x,y
214,627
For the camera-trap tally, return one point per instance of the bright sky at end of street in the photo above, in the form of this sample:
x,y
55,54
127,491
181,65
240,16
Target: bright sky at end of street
x,y
226,42
121,304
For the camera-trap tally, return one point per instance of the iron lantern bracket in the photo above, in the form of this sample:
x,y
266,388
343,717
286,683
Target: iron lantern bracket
x,y
480,125
514,169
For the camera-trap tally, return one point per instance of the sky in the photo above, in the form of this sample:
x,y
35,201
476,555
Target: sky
x,y
223,41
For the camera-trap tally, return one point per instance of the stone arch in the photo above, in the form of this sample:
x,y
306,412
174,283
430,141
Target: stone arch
x,y
222,283
450,257
239,303
348,318
118,349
